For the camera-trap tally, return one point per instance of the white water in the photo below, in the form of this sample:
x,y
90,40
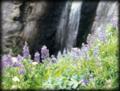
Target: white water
x,y
68,26
73,24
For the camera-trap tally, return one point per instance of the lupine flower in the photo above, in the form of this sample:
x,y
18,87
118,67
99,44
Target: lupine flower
x,y
84,82
9,57
85,48
96,52
21,71
7,60
53,59
19,58
15,61
17,64
75,53
115,21
37,56
26,52
44,52
87,57
102,36
4,57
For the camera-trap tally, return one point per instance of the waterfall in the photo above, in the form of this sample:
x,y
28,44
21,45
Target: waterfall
x,y
62,28
68,25
73,24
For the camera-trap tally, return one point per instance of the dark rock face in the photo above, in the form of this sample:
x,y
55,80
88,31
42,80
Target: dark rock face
x,y
47,28
19,20
57,25
88,13
106,11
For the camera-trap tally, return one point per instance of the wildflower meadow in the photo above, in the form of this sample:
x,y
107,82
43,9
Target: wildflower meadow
x,y
93,66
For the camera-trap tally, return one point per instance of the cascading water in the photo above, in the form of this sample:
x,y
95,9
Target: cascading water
x,y
62,28
68,25
73,24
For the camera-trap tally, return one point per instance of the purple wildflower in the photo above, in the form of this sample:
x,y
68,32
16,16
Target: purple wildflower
x,y
15,61
85,48
37,56
102,36
75,53
26,52
84,81
44,52
21,71
7,60
19,58
114,21
17,64
53,59
87,57
96,52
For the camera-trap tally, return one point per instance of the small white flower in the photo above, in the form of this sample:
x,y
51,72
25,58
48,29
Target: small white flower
x,y
34,63
13,87
109,81
15,79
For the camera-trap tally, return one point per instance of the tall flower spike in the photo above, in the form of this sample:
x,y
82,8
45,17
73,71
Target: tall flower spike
x,y
96,52
115,21
44,52
21,71
102,36
17,64
19,58
85,82
7,60
26,52
75,53
53,59
37,57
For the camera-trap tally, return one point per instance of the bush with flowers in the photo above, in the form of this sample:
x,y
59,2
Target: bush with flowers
x,y
94,66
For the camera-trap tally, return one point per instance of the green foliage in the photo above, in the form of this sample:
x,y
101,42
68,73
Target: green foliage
x,y
100,72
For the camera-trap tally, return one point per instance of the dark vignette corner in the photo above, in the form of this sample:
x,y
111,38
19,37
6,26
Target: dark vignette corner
x,y
0,47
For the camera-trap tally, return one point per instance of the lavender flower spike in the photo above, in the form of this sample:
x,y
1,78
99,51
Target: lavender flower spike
x,y
21,71
16,63
37,57
102,36
44,52
96,52
84,82
26,52
7,60
19,58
